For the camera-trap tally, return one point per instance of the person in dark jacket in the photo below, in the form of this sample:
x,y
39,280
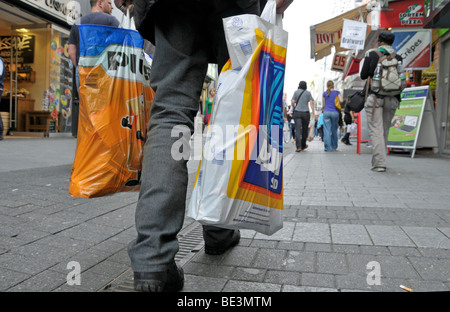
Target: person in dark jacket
x,y
379,109
187,34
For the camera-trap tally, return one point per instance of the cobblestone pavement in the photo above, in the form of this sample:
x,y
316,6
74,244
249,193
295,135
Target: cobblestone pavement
x,y
346,228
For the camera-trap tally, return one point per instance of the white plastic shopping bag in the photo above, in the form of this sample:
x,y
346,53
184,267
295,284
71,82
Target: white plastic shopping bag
x,y
239,182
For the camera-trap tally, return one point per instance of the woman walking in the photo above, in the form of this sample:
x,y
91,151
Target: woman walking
x,y
330,117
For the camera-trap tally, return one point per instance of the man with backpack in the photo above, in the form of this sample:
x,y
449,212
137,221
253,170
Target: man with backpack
x,y
383,71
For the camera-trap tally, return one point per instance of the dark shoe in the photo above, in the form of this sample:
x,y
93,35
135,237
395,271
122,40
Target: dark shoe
x,y
170,281
215,251
298,150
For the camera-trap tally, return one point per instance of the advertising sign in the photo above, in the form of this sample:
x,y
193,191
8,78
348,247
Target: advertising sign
x,y
353,35
339,61
414,46
25,48
66,10
407,13
414,123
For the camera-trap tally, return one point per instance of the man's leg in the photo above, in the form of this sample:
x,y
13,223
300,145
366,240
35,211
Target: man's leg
x,y
298,130
305,129
178,71
376,132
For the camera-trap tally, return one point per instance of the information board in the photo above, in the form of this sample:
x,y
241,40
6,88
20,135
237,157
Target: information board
x,y
414,123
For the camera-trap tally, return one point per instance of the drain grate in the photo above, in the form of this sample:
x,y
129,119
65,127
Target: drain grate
x,y
190,240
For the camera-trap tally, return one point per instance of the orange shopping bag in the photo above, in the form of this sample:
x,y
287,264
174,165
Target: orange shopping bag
x,y
115,99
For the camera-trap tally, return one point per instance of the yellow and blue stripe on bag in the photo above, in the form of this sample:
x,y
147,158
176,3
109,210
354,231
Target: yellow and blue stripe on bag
x,y
260,173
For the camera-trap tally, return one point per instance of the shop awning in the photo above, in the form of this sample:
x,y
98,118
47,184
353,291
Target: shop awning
x,y
328,34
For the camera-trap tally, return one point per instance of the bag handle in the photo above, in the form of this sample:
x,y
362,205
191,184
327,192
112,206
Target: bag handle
x,y
298,99
270,15
127,21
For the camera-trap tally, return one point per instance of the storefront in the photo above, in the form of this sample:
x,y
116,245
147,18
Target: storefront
x,y
38,84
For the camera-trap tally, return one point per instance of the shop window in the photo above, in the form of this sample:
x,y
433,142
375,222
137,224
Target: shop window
x,y
58,95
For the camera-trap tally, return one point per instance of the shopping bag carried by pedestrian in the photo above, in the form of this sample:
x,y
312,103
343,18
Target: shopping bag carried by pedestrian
x,y
239,183
352,128
286,132
115,99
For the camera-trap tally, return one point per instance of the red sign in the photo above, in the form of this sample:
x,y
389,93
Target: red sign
x,y
328,37
406,13
339,62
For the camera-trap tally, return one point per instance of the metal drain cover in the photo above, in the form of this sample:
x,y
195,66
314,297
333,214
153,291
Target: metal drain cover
x,y
190,240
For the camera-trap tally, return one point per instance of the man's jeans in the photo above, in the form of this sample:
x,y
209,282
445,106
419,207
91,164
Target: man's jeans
x,y
330,125
378,127
183,50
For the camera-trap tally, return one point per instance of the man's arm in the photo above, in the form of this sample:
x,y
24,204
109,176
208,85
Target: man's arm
x,y
122,5
282,5
311,104
370,63
73,53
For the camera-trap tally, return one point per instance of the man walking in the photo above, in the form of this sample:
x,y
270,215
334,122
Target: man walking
x,y
100,15
302,102
380,109
185,44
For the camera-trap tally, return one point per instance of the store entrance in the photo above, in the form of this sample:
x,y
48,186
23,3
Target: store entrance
x,y
37,96
17,49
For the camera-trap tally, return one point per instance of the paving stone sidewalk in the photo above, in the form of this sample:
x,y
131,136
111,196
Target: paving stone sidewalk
x,y
346,228
344,225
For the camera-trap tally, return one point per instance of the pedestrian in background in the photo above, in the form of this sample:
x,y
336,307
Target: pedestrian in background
x,y
379,109
320,125
2,80
302,102
208,106
291,122
100,15
330,117
185,45
348,120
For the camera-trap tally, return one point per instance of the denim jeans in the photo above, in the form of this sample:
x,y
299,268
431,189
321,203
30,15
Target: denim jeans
x,y
185,44
330,126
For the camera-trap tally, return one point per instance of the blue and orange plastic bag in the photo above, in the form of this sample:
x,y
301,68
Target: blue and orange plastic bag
x,y
115,99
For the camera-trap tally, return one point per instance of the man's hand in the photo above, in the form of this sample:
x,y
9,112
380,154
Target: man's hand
x,y
282,5
122,5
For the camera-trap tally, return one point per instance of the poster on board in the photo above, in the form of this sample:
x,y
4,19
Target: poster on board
x,y
414,122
